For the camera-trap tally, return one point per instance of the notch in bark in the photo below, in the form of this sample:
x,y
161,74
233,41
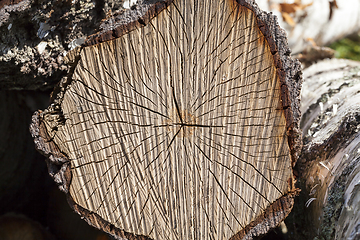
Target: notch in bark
x,y
183,125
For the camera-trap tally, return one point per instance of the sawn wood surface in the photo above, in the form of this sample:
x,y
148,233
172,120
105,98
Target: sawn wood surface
x,y
183,127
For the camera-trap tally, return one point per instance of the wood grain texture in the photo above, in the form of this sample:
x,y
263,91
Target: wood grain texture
x,y
180,129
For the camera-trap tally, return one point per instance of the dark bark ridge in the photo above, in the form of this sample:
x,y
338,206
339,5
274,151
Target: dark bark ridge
x,y
35,36
290,76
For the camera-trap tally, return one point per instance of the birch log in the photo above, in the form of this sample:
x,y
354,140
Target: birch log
x,y
323,21
180,124
330,161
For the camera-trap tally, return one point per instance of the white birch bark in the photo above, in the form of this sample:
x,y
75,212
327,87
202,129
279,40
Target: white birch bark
x,y
315,21
330,167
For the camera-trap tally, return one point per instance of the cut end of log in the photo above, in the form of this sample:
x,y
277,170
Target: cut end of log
x,y
181,123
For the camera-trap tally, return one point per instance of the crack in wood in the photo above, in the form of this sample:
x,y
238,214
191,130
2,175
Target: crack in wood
x,y
176,129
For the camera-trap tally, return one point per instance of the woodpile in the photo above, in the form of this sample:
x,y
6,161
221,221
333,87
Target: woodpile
x,y
176,93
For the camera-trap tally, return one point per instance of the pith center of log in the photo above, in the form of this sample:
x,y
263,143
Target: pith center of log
x,y
181,127
181,122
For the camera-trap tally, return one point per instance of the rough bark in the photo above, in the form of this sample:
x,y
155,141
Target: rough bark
x,y
35,35
329,167
320,21
142,136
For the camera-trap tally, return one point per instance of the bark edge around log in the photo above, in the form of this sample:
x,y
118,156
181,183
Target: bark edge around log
x,y
289,72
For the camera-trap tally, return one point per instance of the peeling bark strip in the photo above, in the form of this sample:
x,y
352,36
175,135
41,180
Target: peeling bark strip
x,y
182,125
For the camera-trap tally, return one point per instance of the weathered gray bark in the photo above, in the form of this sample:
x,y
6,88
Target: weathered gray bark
x,y
329,167
35,35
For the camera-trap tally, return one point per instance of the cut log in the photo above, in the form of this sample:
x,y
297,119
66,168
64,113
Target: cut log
x,y
320,21
180,124
329,164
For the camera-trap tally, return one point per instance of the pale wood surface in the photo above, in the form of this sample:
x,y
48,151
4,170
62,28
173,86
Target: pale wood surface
x,y
177,132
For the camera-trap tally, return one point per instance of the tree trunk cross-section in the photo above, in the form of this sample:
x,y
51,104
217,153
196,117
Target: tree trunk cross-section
x,y
183,126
